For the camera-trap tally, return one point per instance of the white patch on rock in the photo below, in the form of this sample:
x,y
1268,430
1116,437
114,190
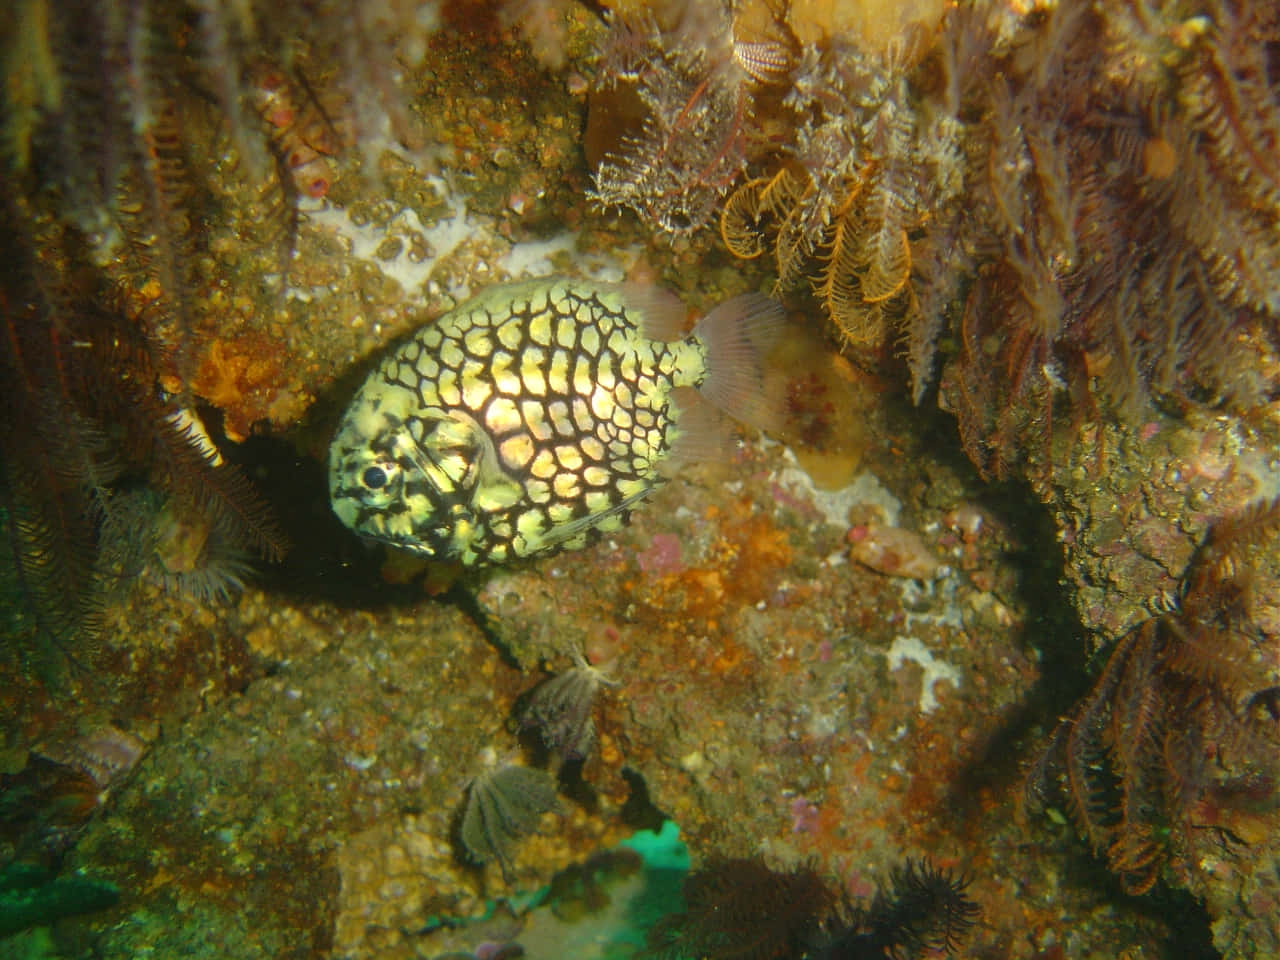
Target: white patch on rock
x,y
911,648
834,505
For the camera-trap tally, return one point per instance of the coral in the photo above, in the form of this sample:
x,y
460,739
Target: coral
x,y
1181,724
1095,145
924,912
197,555
743,909
866,169
504,805
874,24
766,705
146,121
82,424
1221,149
240,376
1117,232
692,82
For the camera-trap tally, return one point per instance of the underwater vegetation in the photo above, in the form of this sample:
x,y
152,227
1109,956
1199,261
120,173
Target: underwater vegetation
x,y
91,445
1175,748
923,912
743,909
1037,202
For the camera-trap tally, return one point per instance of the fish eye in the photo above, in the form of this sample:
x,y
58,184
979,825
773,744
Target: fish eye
x,y
375,478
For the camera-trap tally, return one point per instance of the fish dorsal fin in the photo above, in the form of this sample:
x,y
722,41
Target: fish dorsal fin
x,y
659,314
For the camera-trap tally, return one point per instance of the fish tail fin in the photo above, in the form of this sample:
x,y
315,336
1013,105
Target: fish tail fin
x,y
737,336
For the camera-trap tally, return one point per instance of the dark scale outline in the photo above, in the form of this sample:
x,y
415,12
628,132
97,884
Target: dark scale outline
x,y
620,468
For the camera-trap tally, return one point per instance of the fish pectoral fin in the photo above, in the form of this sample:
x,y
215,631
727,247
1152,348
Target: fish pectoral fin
x,y
492,488
452,455
497,492
700,432
456,430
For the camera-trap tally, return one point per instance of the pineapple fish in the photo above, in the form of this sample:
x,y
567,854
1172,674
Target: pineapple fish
x,y
535,416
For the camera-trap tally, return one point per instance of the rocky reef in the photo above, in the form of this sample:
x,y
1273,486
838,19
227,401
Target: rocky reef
x,y
996,596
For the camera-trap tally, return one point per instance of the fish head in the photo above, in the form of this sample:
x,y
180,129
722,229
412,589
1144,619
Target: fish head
x,y
365,483
409,478
381,481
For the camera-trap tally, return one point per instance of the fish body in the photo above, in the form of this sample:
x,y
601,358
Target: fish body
x,y
536,415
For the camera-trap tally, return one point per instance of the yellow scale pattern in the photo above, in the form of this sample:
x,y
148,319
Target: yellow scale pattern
x,y
525,421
